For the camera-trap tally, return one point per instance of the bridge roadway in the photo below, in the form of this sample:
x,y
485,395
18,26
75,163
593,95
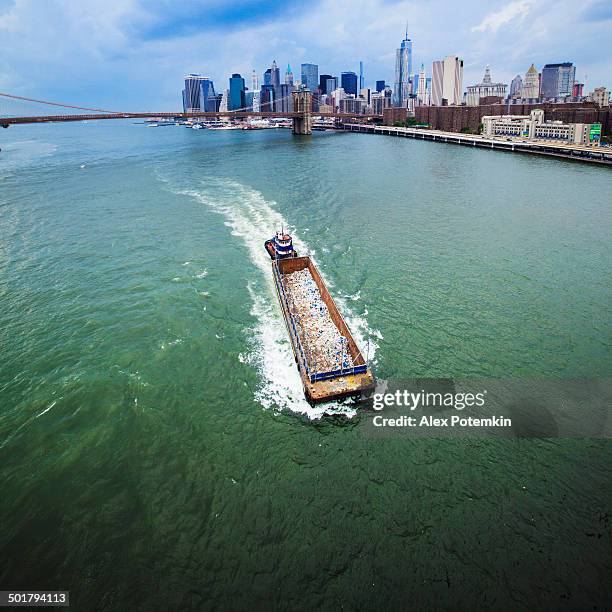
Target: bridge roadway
x,y
6,121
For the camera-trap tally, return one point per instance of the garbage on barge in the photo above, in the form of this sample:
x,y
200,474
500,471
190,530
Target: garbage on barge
x,y
326,348
330,363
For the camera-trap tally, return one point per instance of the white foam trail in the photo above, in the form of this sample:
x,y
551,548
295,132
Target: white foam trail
x,y
46,409
354,297
273,357
253,219
164,345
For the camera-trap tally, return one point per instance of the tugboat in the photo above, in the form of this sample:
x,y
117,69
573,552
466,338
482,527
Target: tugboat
x,y
281,246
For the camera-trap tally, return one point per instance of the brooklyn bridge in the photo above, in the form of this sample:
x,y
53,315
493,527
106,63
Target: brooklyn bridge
x,y
302,114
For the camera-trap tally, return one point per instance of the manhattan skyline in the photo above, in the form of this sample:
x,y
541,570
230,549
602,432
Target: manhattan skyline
x,y
128,54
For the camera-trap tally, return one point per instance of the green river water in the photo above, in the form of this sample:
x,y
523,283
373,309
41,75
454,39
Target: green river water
x,y
156,451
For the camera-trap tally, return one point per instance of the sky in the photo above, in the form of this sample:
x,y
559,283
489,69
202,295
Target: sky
x,y
132,55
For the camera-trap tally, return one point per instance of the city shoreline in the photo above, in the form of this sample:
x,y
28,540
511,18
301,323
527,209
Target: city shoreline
x,y
544,148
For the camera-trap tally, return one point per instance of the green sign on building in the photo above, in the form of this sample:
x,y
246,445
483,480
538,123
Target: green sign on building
x,y
595,132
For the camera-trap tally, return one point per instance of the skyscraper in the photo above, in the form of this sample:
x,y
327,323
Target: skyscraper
x,y
437,76
601,97
331,84
421,92
209,99
531,83
557,80
447,81
256,101
276,83
310,76
515,87
275,74
285,101
284,104
376,102
288,76
414,83
224,104
403,68
256,92
199,94
237,98
381,100
191,93
337,95
348,82
453,80
323,83
266,98
361,83
380,86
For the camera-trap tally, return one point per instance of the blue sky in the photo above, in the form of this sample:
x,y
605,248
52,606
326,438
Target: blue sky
x,y
133,54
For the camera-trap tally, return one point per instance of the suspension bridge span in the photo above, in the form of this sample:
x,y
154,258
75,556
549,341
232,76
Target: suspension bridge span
x,y
301,115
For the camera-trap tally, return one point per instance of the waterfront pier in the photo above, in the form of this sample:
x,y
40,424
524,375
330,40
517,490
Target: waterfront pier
x,y
563,150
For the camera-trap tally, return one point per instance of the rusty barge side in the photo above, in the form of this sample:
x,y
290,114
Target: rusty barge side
x,y
321,386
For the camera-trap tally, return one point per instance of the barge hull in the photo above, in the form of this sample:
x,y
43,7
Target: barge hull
x,y
359,378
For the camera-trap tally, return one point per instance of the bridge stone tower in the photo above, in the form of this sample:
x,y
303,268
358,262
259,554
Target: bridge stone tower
x,y
302,103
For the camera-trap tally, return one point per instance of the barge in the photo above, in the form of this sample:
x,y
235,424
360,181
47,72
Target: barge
x,y
329,361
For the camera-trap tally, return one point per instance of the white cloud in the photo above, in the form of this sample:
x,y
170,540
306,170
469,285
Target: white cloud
x,y
510,12
9,21
101,53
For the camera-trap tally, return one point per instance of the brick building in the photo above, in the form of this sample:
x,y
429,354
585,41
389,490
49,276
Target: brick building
x,y
393,114
456,118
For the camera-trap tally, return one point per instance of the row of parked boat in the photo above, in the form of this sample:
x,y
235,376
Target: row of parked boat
x,y
250,124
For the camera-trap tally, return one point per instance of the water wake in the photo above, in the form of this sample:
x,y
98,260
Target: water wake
x,y
253,219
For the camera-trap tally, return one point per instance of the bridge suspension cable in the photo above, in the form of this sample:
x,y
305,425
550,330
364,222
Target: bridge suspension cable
x,y
97,113
84,108
271,102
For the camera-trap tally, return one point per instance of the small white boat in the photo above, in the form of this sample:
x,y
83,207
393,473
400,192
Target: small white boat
x,y
226,127
196,126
